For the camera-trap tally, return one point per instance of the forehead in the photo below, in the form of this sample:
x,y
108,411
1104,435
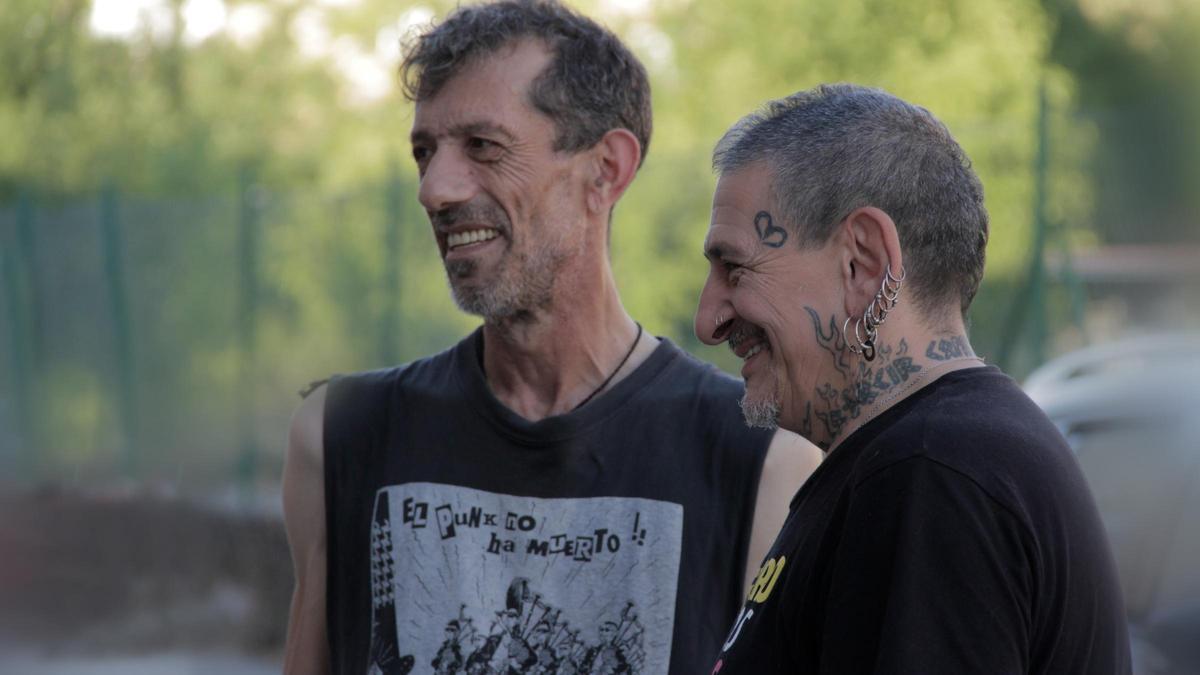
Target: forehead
x,y
739,197
491,88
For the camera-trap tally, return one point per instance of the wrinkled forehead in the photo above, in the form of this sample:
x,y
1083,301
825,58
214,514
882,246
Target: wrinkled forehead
x,y
742,206
746,188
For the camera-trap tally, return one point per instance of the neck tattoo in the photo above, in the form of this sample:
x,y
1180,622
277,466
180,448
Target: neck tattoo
x,y
896,394
637,338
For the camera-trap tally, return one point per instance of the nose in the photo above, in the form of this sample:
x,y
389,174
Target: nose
x,y
448,180
714,314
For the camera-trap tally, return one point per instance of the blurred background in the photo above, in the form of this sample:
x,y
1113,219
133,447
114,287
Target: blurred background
x,y
207,204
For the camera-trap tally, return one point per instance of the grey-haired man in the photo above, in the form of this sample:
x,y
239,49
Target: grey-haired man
x,y
949,529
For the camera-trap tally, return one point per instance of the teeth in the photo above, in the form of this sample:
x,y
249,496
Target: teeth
x,y
753,350
464,238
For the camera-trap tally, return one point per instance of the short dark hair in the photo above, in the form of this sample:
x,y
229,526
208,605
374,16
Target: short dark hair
x,y
839,147
592,85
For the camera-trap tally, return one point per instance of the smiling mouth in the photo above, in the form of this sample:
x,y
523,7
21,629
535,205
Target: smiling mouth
x,y
459,239
748,341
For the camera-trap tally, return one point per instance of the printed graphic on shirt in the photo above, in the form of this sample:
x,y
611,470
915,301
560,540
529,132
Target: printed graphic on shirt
x,y
467,582
760,590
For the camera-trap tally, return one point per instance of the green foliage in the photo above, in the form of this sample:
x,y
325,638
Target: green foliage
x,y
1136,66
976,65
173,123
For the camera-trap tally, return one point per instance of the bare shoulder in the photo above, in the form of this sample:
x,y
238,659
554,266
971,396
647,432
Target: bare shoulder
x,y
790,459
306,436
306,651
304,483
303,471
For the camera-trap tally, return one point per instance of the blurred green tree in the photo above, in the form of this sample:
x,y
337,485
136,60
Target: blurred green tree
x,y
1137,65
301,97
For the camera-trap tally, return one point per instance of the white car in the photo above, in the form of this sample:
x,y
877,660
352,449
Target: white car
x,y
1131,412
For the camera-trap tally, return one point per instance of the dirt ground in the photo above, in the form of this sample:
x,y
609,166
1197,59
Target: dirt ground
x,y
113,578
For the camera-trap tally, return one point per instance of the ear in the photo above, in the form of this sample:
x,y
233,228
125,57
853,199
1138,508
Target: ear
x,y
616,157
870,245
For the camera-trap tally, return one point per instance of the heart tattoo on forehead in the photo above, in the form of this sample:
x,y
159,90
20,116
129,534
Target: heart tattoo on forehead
x,y
768,232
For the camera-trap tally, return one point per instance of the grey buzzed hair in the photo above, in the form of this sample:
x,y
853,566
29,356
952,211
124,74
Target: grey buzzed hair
x,y
840,147
593,83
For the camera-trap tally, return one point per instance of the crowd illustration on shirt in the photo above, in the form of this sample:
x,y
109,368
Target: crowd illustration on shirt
x,y
530,637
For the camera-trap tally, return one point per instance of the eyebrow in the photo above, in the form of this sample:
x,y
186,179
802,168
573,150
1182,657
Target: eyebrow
x,y
464,130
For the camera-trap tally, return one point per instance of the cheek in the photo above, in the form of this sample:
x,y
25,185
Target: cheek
x,y
550,201
796,347
513,183
768,306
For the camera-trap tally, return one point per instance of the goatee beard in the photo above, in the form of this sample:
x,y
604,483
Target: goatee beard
x,y
761,414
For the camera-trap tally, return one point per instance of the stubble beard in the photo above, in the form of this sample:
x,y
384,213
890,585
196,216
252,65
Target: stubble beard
x,y
762,414
518,287
522,283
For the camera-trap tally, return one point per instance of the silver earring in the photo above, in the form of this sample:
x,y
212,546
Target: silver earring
x,y
885,300
891,285
846,336
864,346
868,345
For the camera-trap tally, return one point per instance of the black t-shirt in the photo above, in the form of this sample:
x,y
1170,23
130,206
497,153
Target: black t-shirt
x,y
613,536
952,534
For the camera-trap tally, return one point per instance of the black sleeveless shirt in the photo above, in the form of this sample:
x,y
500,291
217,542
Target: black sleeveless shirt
x,y
463,538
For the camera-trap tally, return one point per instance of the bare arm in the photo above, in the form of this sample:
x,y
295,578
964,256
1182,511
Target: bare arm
x,y
790,461
307,650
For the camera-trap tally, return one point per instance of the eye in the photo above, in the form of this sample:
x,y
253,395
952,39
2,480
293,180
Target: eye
x,y
483,149
733,271
421,154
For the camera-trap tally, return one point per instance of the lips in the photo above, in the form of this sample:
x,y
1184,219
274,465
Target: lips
x,y
475,222
746,341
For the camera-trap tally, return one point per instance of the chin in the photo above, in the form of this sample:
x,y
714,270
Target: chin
x,y
762,413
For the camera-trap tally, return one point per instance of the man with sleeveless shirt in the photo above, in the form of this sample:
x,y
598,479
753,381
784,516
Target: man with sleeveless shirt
x,y
559,486
949,529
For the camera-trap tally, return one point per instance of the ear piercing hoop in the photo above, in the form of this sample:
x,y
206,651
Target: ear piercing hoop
x,y
885,300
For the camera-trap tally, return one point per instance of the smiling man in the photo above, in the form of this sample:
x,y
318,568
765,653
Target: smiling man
x,y
558,467
949,529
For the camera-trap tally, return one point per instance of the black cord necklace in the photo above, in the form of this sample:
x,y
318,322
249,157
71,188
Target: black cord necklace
x,y
613,374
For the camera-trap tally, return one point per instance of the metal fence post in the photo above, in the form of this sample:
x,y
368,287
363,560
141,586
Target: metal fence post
x,y
27,243
247,310
16,299
1038,270
114,274
389,333
1032,297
